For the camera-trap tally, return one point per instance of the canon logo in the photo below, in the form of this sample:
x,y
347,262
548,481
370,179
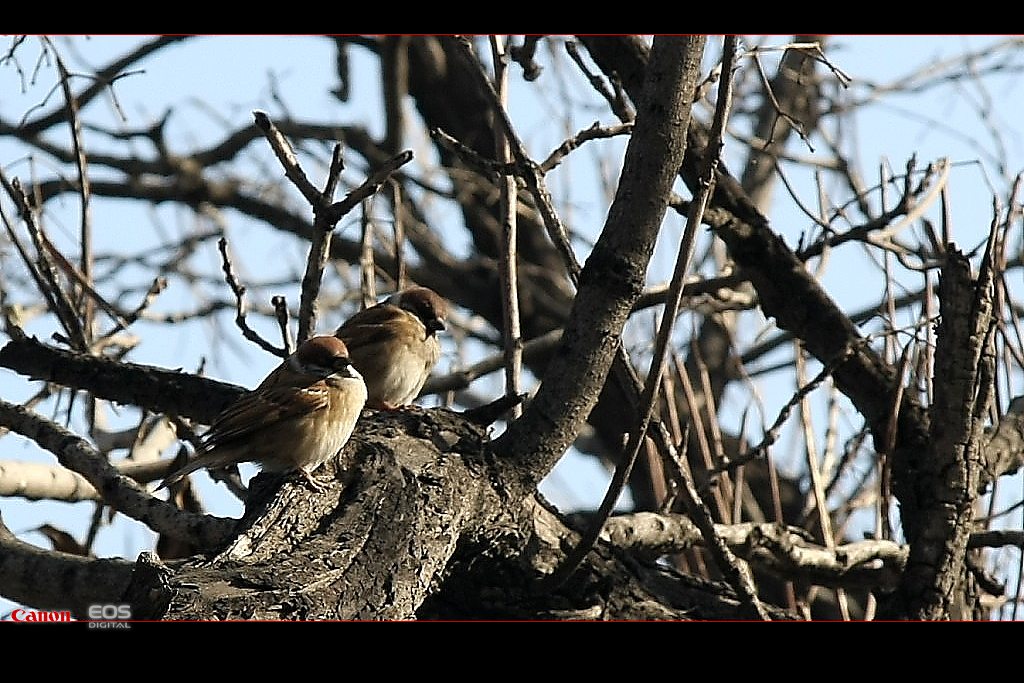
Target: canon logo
x,y
37,616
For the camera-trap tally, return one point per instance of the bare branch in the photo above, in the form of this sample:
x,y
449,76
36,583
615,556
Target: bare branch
x,y
280,305
369,187
996,538
48,579
738,576
523,55
39,481
461,379
319,248
102,81
510,332
946,486
81,164
119,491
398,229
617,262
286,155
47,279
784,551
785,289
595,132
367,268
155,389
239,291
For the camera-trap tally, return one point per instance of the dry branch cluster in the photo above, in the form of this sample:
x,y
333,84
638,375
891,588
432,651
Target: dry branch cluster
x,y
428,516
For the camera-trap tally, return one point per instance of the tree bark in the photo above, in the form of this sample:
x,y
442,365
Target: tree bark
x,y
418,523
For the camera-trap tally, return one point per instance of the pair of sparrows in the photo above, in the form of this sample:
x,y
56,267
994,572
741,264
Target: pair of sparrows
x,y
304,412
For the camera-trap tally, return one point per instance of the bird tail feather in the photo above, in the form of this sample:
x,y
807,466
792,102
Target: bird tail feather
x,y
209,460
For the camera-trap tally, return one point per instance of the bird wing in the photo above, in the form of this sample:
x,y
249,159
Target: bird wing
x,y
259,410
375,325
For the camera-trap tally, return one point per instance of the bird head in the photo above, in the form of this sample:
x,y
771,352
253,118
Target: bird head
x,y
323,357
425,304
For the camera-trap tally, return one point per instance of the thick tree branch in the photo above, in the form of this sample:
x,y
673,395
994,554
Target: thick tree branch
x,y
946,485
39,481
119,491
1004,450
463,544
152,388
613,277
47,579
736,573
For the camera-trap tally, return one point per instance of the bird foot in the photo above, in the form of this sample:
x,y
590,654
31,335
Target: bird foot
x,y
317,486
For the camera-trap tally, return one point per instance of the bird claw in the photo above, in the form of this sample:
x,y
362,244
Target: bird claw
x,y
317,486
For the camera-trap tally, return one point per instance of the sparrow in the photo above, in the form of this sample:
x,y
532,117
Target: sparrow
x,y
394,345
300,416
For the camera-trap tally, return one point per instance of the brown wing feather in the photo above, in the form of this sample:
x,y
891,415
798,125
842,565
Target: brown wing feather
x,y
259,410
371,326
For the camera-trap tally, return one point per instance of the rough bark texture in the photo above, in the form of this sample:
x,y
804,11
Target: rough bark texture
x,y
47,579
418,524
371,547
946,484
613,277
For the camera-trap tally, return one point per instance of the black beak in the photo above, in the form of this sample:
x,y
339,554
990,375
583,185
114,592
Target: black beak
x,y
435,325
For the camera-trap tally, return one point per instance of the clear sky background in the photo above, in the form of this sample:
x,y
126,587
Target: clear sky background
x,y
213,84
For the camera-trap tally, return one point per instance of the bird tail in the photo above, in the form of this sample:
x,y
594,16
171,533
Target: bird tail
x,y
204,460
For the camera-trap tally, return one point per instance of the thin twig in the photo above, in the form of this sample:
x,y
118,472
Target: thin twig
x,y
697,421
615,100
240,307
319,248
595,132
473,159
49,284
814,470
398,227
280,305
889,448
461,379
728,491
527,168
81,166
761,449
370,186
511,336
737,574
83,281
30,264
367,272
286,155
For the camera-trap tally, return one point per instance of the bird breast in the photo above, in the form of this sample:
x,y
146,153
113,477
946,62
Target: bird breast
x,y
316,438
401,380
